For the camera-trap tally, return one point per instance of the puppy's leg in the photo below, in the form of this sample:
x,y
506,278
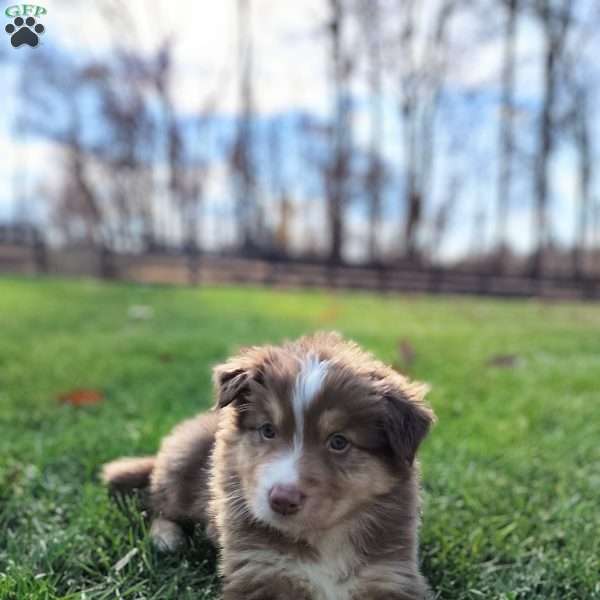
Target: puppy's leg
x,y
123,476
167,536
179,481
127,474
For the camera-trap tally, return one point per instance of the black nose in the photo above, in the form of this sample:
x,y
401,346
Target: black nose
x,y
286,499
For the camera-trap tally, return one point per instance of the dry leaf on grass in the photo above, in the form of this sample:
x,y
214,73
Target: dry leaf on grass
x,y
405,356
503,361
406,352
330,313
82,397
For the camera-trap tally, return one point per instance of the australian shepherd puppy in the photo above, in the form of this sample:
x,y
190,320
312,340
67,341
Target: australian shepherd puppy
x,y
304,474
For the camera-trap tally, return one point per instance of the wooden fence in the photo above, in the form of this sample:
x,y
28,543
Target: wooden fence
x,y
185,269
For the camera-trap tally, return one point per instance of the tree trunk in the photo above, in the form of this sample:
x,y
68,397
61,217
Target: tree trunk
x,y
506,130
582,139
375,173
545,147
246,205
338,173
555,22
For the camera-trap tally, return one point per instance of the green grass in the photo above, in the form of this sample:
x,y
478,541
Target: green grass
x,y
511,472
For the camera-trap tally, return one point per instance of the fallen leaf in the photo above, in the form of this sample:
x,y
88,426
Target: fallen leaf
x,y
503,361
330,313
406,352
82,397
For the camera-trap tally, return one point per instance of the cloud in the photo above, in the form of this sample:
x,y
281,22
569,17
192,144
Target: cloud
x,y
288,64
27,165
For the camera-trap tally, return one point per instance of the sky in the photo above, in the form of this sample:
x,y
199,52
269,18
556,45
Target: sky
x,y
290,78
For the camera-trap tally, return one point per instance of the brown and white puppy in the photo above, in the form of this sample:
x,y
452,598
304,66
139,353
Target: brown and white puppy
x,y
304,473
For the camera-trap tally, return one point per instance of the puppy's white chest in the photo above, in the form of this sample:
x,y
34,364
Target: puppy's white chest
x,y
326,581
332,576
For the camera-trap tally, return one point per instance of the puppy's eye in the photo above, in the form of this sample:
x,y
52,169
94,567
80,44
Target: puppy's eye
x,y
338,443
267,431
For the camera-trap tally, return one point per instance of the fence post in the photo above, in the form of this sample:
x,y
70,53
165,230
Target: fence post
x,y
107,265
40,253
193,263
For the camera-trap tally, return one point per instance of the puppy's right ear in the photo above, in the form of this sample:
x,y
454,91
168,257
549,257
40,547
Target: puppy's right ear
x,y
407,418
231,381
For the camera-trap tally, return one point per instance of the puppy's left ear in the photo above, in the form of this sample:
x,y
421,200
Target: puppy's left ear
x,y
407,418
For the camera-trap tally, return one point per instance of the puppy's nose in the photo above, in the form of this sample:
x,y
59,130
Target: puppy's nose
x,y
286,499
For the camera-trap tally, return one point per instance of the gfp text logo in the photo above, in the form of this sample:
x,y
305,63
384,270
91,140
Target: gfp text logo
x,y
24,28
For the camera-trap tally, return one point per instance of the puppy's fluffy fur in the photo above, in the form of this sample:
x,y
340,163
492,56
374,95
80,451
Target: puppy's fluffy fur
x,y
304,474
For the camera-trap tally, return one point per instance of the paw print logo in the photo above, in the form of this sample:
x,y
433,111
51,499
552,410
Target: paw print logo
x,y
24,32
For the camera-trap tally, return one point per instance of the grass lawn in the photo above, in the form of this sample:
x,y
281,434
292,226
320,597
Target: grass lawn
x,y
511,472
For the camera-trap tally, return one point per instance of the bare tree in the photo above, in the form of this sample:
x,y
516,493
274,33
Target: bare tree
x,y
370,14
79,197
243,167
338,171
443,217
554,19
173,138
581,126
595,235
579,80
56,88
279,191
409,106
420,86
506,138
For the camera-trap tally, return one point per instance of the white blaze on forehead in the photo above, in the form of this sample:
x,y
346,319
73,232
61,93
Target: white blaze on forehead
x,y
284,469
308,384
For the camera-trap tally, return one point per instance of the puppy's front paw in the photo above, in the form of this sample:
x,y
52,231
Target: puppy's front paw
x,y
166,535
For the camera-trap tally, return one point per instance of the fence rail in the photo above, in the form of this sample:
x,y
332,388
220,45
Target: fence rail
x,y
186,269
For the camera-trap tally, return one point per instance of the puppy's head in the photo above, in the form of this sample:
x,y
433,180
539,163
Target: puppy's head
x,y
317,430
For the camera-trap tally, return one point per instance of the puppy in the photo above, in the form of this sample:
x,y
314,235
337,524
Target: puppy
x,y
304,474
